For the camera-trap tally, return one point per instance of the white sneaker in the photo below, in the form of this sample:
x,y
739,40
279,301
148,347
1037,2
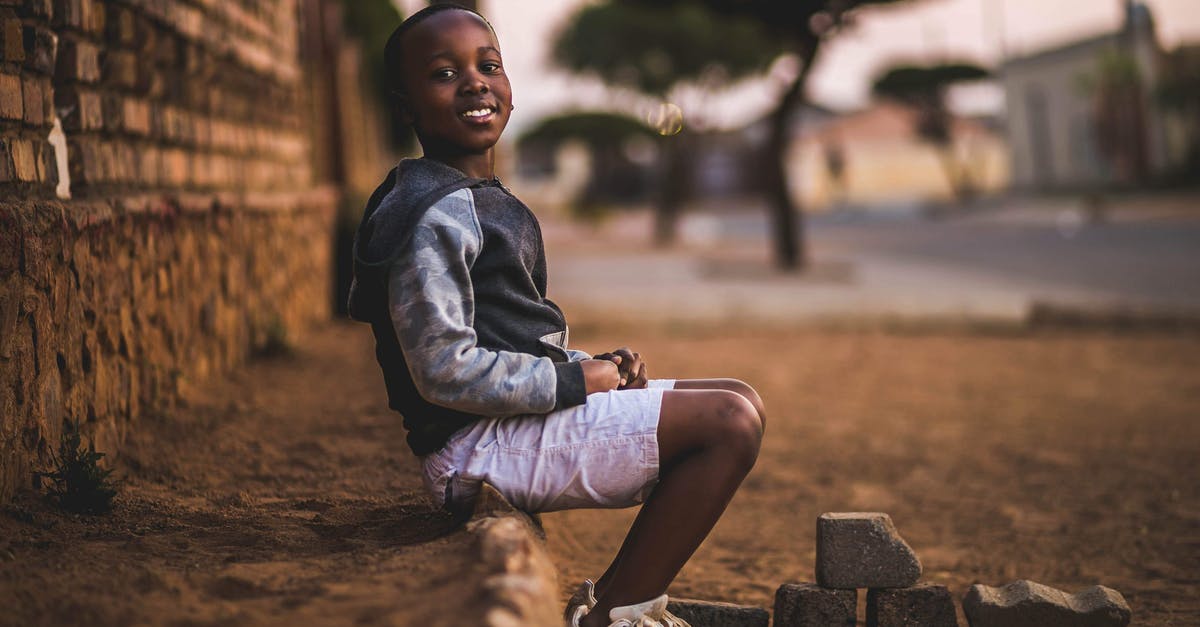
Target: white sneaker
x,y
580,603
652,613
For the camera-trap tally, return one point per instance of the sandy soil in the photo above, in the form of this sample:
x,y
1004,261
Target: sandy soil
x,y
1070,459
285,495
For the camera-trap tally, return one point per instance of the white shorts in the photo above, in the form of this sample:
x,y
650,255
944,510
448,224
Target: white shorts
x,y
603,453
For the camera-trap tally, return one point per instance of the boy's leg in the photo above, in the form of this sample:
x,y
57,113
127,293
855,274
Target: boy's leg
x,y
732,385
708,441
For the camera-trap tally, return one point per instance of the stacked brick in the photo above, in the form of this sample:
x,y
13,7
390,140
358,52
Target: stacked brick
x,y
864,550
174,95
27,161
193,232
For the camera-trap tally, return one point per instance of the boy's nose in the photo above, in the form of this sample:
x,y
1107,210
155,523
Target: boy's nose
x,y
475,85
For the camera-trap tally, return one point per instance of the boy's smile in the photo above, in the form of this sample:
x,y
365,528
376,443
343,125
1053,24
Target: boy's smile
x,y
455,91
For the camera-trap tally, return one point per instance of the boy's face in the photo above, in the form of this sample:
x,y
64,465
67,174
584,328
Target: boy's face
x,y
456,93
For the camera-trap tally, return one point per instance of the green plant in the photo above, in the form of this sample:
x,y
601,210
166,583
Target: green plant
x,y
78,483
275,340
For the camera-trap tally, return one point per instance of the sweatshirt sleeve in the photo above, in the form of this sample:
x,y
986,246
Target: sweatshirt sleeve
x,y
431,303
576,355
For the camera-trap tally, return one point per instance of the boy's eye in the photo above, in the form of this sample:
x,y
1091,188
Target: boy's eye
x,y
443,74
490,67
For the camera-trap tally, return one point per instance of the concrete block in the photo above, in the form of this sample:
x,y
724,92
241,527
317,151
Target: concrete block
x,y
1029,604
12,105
923,605
809,605
710,614
863,550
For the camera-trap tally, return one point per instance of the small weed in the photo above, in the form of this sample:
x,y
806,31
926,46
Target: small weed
x,y
276,342
77,483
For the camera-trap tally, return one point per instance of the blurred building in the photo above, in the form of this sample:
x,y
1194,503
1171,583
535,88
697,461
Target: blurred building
x,y
1084,114
874,159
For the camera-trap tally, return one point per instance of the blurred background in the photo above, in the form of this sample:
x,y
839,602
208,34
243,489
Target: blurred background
x,y
953,244
995,158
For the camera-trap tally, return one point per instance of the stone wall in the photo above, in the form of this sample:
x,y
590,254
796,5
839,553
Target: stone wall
x,y
166,228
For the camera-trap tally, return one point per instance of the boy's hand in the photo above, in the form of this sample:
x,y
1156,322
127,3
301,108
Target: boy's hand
x,y
600,375
631,367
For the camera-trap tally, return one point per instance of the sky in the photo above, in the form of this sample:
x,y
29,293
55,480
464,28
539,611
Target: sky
x,y
983,31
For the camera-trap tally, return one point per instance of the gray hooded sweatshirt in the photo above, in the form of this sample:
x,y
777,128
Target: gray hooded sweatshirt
x,y
450,272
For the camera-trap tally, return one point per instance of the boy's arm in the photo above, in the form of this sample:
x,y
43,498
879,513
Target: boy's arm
x,y
431,302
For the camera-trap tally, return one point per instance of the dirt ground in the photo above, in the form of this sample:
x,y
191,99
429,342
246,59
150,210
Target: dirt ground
x,y
285,494
1067,458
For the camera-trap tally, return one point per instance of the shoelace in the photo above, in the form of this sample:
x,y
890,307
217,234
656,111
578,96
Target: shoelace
x,y
668,620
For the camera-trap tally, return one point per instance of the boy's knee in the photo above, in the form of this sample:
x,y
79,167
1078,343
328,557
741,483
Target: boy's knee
x,y
751,395
739,429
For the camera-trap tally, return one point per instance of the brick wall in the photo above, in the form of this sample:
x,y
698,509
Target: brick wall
x,y
168,229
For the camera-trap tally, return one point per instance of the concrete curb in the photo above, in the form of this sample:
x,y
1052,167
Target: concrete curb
x,y
518,584
1112,318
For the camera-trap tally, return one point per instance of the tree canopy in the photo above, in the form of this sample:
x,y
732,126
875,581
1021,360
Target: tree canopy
x,y
592,127
921,85
652,48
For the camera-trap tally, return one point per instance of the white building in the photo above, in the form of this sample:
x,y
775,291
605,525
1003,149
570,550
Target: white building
x,y
1054,102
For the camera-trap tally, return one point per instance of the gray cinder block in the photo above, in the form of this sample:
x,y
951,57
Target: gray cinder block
x,y
863,550
809,605
922,605
710,614
1029,604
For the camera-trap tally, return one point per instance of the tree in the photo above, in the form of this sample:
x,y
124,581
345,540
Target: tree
x,y
1119,114
924,89
614,175
662,43
653,51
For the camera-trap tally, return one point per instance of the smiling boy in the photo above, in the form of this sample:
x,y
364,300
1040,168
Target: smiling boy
x,y
450,272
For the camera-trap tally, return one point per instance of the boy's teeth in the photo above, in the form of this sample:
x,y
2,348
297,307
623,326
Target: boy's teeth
x,y
477,113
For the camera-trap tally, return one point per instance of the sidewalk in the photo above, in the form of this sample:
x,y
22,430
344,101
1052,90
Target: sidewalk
x,y
856,275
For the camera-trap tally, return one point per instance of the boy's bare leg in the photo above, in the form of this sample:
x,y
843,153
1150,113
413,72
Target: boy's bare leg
x,y
731,385
708,442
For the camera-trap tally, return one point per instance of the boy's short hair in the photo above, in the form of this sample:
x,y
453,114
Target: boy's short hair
x,y
393,57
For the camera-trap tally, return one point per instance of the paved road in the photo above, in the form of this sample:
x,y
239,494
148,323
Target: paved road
x,y
1150,263
995,263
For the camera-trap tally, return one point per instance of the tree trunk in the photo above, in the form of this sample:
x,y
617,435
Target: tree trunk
x,y
958,174
673,181
790,250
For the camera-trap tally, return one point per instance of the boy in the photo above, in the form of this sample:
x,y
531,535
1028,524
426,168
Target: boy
x,y
450,272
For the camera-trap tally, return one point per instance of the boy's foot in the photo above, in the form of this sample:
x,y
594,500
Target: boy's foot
x,y
652,613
